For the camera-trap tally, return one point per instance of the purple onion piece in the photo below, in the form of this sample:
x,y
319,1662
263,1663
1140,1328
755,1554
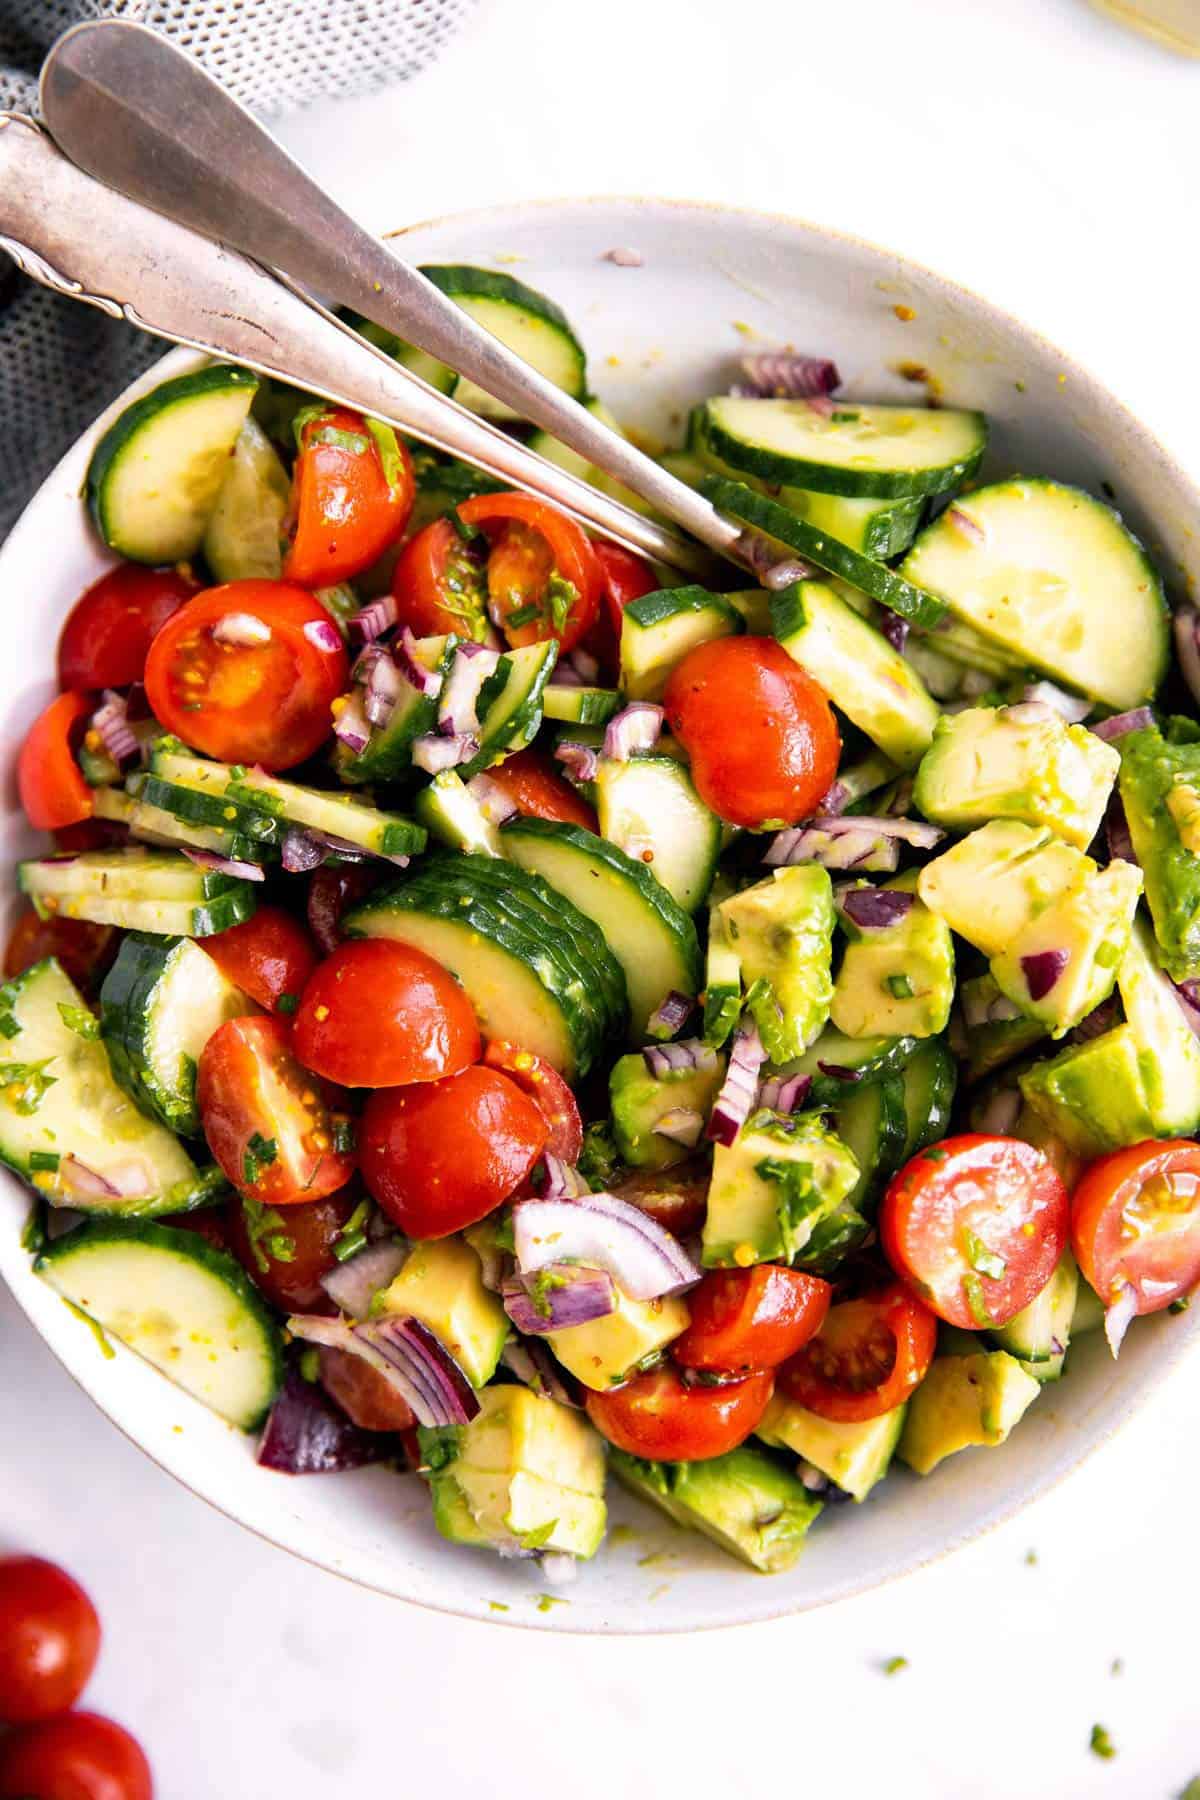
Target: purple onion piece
x,y
786,375
682,1125
667,1059
851,849
111,721
601,1232
784,1093
782,575
1001,1112
585,666
559,1296
244,629
308,1434
582,760
1119,1316
1139,718
839,1072
564,676
225,865
1187,646
323,634
382,690
80,1179
1116,831
965,525
458,714
894,628
300,851
352,1285
414,1362
670,1015
1102,1018
1068,706
535,1367
874,909
426,681
636,727
352,726
495,805
910,831
433,753
1042,971
563,1181
372,620
739,1090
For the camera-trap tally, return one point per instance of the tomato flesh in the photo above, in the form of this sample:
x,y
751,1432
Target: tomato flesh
x,y
549,1092
658,1416
109,630
378,1014
285,1254
543,579
440,585
270,956
1135,1223
84,950
49,781
867,1358
744,1319
49,1639
626,577
366,1396
675,1198
976,1226
538,791
347,514
76,1756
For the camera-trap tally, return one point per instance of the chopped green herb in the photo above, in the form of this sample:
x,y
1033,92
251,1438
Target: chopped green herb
x,y
259,1154
935,1155
540,1535
900,987
468,533
1180,1305
976,1304
343,1132
842,418
1117,1666
43,1161
353,1235
440,1445
1100,1744
524,615
895,1664
391,457
981,1259
1031,1557
79,1019
599,1163
310,1362
497,1606
287,1004
268,1234
8,1026
23,1085
353,441
546,1601
561,596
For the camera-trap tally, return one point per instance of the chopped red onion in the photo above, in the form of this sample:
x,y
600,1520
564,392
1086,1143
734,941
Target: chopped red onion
x,y
909,831
1001,1112
873,908
782,575
845,850
382,691
1187,646
1119,1316
300,851
894,629
493,802
966,525
558,1296
624,258
533,1365
585,666
980,1009
352,1285
668,1059
1139,718
636,727
457,710
682,1124
111,721
307,1433
564,676
582,760
786,375
739,1090
1068,706
1042,971
897,807
839,1072
433,753
352,726
371,621
670,1015
1102,1018
1116,831
602,1232
76,1177
426,681
784,1093
563,1181
323,634
414,1361
243,629
225,865
821,404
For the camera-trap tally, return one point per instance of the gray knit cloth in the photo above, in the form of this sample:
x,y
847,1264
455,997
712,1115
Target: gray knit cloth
x,y
61,363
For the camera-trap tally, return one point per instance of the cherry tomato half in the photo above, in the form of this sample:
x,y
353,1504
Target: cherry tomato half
x,y
266,1120
658,1416
76,1756
366,1396
49,781
626,577
286,1253
540,563
331,891
549,1092
84,950
213,680
49,1639
379,1014
976,1225
743,1319
110,628
347,511
440,585
676,1198
270,956
537,790
443,1154
1135,1223
760,733
868,1356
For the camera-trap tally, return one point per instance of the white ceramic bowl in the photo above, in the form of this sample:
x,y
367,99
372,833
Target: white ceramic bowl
x,y
714,283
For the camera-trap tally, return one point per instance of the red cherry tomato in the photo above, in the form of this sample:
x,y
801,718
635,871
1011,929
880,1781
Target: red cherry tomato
x,y
52,789
676,1198
743,1319
868,1356
209,1222
626,577
248,702
976,1225
658,1416
367,1397
286,1253
1135,1223
379,1014
537,790
266,1120
270,956
762,739
549,1092
443,1154
77,1756
440,585
346,512
331,891
110,628
84,950
539,559
49,1639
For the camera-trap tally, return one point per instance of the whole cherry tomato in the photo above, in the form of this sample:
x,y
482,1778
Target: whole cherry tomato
x,y
743,1319
49,1639
440,585
543,579
1135,1226
348,507
84,950
365,1395
270,956
549,1092
868,1357
658,1416
538,791
378,1014
285,1253
49,780
110,628
76,1756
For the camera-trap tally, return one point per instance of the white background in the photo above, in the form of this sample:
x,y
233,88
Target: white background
x,y
1048,159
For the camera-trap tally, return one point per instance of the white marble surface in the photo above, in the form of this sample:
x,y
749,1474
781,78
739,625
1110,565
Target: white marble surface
x,y
1041,155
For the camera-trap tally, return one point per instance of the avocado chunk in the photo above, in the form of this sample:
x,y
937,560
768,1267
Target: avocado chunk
x,y
1039,1334
1064,963
964,1400
1160,790
607,1351
639,1100
441,1284
896,980
781,931
1016,762
1169,1054
744,1501
783,1174
526,1473
854,1457
990,886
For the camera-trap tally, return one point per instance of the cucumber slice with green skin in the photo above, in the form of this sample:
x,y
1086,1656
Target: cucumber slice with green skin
x,y
1039,1334
154,825
1053,577
388,754
512,719
929,1084
580,705
659,629
884,452
649,808
165,918
722,982
160,1003
871,1120
880,528
963,645
155,475
181,1304
860,1059
651,937
243,540
869,577
58,1099
451,814
526,322
419,362
127,873
204,810
555,451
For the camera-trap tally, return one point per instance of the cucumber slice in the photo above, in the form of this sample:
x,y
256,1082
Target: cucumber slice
x,y
205,810
182,1305
128,873
512,719
526,322
155,475
658,630
863,1059
880,528
649,808
1054,578
872,1121
65,1103
1039,1334
872,578
388,754
160,1003
244,537
419,362
155,825
929,1084
651,937
450,813
887,452
557,452
580,705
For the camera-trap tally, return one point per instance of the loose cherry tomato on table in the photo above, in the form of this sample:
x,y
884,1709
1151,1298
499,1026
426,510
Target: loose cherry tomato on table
x,y
366,1396
270,956
658,1416
442,1154
626,577
77,1756
675,1198
265,1117
440,585
49,1639
761,736
538,791
549,1092
868,1357
378,1014
247,672
331,891
348,507
49,780
110,628
976,1225
84,950
1135,1227
543,579
285,1253
743,1319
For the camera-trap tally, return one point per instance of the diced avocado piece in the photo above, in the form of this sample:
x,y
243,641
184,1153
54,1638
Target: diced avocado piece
x,y
607,1351
451,1514
854,1457
1160,786
1039,1334
782,932
744,1501
1035,1131
1091,1096
964,1400
1016,762
639,1100
722,982
1169,1055
992,884
1091,924
782,1175
441,1284
896,980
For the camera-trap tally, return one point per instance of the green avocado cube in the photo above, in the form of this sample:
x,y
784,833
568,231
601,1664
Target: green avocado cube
x,y
606,1352
744,1501
896,980
1091,1096
990,886
781,930
1090,925
1169,1055
1160,790
783,1174
964,1401
639,1100
441,1284
854,1456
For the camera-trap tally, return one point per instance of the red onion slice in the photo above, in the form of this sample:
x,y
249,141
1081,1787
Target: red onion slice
x,y
965,525
382,689
371,621
225,865
784,1093
1139,718
875,909
910,831
323,634
111,721
300,851
352,1285
352,726
670,1015
839,1072
785,574
563,1182
894,628
637,726
558,1296
433,753
1068,706
1102,1018
1119,1316
691,1053
739,1090
458,708
582,760
535,1367
1116,831
786,375
243,629
495,805
1001,1112
602,1232
682,1124
844,850
1187,646
564,676
308,1434
78,1178
1042,971
414,1362
408,661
